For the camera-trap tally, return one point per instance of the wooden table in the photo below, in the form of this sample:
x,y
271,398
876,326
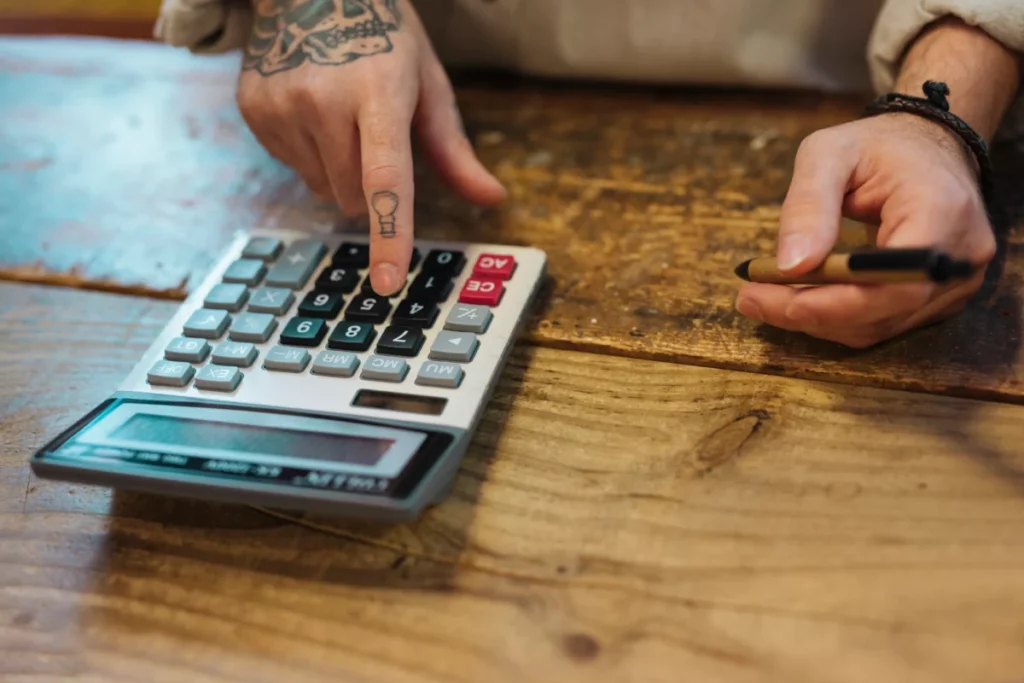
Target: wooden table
x,y
660,490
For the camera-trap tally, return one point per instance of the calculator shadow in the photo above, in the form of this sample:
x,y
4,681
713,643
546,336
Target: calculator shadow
x,y
220,540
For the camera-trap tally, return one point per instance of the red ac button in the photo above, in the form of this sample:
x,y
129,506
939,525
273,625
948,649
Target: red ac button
x,y
481,291
495,266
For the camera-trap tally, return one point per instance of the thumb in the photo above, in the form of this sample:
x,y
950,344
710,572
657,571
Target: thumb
x,y
440,129
811,213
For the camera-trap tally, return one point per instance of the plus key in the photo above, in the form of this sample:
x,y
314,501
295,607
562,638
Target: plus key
x,y
494,266
482,292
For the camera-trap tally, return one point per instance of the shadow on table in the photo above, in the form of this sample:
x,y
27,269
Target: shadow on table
x,y
425,554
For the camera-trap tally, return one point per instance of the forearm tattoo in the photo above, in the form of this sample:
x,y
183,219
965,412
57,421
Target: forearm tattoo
x,y
289,33
385,204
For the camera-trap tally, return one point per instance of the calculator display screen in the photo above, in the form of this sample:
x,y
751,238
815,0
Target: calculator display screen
x,y
243,438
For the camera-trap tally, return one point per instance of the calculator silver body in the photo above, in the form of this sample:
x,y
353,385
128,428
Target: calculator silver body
x,y
302,403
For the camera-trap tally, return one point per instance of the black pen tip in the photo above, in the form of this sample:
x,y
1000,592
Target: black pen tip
x,y
743,271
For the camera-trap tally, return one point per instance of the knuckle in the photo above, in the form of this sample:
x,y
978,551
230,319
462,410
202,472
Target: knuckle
x,y
382,177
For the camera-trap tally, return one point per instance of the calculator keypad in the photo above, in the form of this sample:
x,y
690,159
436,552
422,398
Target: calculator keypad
x,y
264,284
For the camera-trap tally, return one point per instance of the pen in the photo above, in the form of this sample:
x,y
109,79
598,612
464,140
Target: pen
x,y
869,266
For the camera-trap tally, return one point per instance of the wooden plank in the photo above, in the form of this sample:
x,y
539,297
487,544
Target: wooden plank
x,y
614,520
643,199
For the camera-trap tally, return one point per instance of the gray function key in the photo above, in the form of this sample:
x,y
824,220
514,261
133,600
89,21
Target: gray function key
x,y
188,350
468,318
207,323
286,359
335,363
170,373
218,378
276,300
447,375
457,346
385,368
227,297
296,264
252,327
246,271
241,354
262,248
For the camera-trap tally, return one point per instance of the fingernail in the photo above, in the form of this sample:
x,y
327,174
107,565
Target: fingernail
x,y
793,250
384,279
749,309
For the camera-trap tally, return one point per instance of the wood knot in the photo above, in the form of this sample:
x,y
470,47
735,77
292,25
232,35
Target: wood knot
x,y
724,443
581,647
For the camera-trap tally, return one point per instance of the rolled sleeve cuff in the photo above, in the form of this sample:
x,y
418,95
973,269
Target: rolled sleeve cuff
x,y
204,26
901,21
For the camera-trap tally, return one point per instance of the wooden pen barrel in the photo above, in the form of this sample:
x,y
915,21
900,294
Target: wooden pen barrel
x,y
834,270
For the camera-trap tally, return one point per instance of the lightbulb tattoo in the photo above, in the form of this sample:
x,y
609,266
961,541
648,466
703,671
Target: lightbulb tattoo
x,y
289,33
385,204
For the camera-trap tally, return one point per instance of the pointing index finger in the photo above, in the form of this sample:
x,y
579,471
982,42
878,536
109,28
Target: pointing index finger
x,y
388,186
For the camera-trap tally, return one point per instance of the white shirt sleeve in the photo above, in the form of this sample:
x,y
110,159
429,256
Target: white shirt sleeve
x,y
204,26
900,22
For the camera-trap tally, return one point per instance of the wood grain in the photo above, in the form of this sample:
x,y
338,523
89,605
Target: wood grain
x,y
615,520
644,200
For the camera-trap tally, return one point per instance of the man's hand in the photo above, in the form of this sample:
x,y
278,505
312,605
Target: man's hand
x,y
910,176
332,88
907,174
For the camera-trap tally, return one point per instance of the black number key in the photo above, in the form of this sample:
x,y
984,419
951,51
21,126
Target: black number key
x,y
430,286
368,308
352,255
319,304
342,280
415,259
304,332
351,337
449,263
415,313
400,341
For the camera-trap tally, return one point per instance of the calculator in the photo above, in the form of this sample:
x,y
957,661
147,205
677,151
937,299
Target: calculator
x,y
284,380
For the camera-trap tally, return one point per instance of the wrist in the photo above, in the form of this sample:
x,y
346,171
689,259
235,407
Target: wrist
x,y
981,73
